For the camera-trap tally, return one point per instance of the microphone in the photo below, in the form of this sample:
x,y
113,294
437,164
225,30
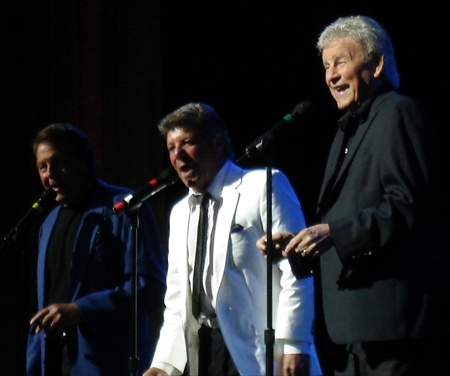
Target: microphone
x,y
135,200
39,206
43,202
290,119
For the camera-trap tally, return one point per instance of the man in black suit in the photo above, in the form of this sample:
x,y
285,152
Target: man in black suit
x,y
383,269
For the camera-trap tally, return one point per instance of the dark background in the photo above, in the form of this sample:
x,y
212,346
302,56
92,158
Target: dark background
x,y
114,68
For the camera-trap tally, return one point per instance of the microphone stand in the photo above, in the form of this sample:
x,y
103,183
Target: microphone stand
x,y
134,359
133,212
38,208
269,336
269,333
13,238
12,235
258,146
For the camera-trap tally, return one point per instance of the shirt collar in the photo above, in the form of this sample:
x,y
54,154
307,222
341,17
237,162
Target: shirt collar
x,y
216,184
350,121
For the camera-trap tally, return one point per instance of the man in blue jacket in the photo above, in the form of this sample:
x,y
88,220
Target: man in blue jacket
x,y
84,268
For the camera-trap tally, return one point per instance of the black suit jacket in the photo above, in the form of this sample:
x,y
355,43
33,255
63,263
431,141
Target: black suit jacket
x,y
386,276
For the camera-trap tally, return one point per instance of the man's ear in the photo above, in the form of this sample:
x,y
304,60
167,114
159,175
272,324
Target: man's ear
x,y
378,67
218,142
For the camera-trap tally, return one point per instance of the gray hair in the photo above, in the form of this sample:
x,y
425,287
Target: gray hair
x,y
373,38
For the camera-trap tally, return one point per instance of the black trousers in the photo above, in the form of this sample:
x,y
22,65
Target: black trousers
x,y
412,357
56,357
214,358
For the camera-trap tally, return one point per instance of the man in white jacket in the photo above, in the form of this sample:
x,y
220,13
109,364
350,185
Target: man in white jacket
x,y
229,337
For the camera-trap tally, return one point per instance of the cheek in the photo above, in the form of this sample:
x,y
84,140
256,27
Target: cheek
x,y
172,158
195,154
366,76
43,178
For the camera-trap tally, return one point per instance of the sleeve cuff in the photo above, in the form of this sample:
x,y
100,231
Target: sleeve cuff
x,y
169,369
296,347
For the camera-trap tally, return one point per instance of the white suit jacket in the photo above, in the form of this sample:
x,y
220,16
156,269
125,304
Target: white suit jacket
x,y
239,270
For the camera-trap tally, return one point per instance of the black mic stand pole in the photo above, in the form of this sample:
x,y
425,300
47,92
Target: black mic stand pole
x,y
12,235
169,178
259,145
269,333
13,238
134,219
134,359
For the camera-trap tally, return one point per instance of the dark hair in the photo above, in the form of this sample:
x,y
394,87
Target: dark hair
x,y
201,117
68,134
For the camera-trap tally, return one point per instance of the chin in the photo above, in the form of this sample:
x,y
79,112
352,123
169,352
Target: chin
x,y
61,199
191,183
341,104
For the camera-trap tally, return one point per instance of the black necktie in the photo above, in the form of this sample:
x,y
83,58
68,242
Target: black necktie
x,y
202,238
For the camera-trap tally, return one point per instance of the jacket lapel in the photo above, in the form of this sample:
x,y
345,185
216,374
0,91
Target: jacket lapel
x,y
229,201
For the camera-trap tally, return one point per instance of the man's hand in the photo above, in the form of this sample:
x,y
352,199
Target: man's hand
x,y
311,241
294,365
55,318
279,241
154,372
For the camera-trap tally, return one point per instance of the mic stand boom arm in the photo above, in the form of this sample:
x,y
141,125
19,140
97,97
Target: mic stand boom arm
x,y
36,209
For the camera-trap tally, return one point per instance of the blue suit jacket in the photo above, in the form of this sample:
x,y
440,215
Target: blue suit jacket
x,y
100,284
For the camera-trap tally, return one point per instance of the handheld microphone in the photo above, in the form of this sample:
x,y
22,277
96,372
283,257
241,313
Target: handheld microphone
x,y
290,119
135,200
39,206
